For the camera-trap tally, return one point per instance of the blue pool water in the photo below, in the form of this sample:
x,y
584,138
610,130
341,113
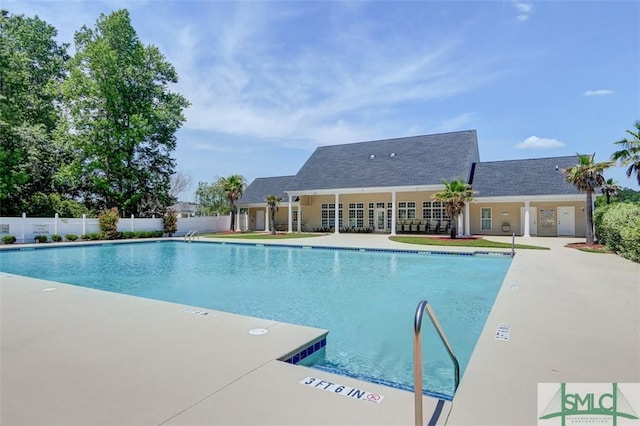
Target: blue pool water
x,y
366,300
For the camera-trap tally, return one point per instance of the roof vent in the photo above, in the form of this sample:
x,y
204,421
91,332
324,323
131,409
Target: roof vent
x,y
372,156
392,155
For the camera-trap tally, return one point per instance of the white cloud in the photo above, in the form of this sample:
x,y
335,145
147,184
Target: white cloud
x,y
524,10
535,142
599,92
331,91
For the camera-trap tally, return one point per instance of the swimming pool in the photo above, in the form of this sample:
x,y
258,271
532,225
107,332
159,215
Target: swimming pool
x,y
366,300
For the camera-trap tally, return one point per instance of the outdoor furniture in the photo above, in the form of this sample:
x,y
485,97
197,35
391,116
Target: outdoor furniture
x,y
422,227
445,225
414,225
434,226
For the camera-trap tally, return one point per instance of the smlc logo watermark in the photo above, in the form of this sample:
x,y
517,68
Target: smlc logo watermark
x,y
562,404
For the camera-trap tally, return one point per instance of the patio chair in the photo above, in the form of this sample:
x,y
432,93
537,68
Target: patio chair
x,y
434,226
445,225
414,225
422,227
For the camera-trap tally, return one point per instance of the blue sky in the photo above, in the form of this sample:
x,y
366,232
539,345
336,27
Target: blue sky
x,y
269,81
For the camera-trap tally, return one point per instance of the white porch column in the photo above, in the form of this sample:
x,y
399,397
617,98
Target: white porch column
x,y
467,220
393,213
55,223
526,220
460,231
290,213
299,218
267,227
336,226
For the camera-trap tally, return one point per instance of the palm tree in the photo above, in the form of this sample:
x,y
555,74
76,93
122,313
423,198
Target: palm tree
x,y
629,155
454,196
232,187
610,188
273,201
587,176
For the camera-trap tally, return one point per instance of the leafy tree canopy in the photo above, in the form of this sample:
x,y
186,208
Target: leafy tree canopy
x,y
122,119
32,65
211,199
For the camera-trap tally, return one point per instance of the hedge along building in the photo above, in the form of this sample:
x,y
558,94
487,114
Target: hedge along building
x,y
389,184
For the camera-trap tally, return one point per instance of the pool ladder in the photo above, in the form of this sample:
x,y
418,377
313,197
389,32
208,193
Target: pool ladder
x,y
423,307
191,235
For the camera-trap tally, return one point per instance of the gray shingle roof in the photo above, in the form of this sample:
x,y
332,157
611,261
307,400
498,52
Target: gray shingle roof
x,y
537,176
418,160
258,190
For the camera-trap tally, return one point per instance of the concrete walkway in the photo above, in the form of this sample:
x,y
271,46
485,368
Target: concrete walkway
x,y
78,356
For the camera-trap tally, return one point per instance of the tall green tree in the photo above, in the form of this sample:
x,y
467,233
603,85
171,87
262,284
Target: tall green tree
x,y
587,177
122,118
610,189
273,201
454,196
233,188
32,65
629,154
211,199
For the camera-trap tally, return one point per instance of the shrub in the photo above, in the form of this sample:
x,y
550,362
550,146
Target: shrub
x,y
322,229
94,236
56,238
128,235
598,214
170,222
71,237
85,237
157,234
108,221
41,238
142,234
620,230
8,239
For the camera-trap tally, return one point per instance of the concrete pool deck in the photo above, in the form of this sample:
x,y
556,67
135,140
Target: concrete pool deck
x,y
79,356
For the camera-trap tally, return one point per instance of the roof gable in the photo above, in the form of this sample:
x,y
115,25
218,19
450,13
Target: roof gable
x,y
260,188
417,160
536,176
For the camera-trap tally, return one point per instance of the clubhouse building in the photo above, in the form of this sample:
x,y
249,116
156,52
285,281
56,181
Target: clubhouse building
x,y
388,186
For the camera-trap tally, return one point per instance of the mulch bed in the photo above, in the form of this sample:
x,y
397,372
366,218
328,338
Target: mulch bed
x,y
456,238
596,246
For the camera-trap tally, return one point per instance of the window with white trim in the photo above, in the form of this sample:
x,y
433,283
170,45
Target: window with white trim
x,y
434,210
328,212
356,215
407,210
371,215
485,218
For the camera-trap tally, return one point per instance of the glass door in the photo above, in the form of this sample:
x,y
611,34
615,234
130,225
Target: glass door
x,y
381,220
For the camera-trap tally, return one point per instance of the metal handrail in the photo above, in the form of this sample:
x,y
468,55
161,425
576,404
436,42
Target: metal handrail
x,y
191,235
423,307
513,244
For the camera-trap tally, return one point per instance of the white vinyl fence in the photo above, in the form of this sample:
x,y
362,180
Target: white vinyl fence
x,y
26,228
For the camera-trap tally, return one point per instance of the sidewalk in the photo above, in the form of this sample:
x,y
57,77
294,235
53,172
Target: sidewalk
x,y
80,356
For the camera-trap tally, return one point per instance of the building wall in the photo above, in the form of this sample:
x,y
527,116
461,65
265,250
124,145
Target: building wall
x,y
504,221
509,214
311,206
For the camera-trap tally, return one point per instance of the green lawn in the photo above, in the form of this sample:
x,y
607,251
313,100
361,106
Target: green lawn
x,y
461,242
261,235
